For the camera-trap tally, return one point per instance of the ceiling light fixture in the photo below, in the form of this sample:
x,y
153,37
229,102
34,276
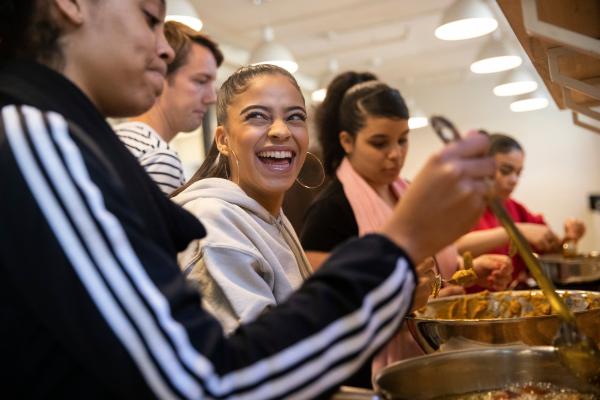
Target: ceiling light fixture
x,y
516,82
318,95
418,118
536,101
182,11
417,122
494,57
466,19
269,52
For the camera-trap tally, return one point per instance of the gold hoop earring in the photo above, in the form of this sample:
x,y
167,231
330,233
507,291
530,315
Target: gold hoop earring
x,y
237,163
226,167
321,174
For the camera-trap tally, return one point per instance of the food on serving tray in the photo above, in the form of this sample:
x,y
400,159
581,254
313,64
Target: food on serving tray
x,y
532,391
511,304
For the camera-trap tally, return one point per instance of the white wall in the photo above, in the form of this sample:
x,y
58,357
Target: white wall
x,y
562,165
190,147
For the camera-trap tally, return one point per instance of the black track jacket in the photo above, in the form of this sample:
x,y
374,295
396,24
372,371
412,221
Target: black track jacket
x,y
92,302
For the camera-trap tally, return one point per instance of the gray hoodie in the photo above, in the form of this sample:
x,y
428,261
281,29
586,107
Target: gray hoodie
x,y
249,260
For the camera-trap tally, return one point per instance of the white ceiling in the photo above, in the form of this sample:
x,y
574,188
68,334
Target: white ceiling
x,y
392,38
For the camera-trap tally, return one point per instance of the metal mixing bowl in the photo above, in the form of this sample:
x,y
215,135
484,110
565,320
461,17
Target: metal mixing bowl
x,y
450,334
571,270
466,371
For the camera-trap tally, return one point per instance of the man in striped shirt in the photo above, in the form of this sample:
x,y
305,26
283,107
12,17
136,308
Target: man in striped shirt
x,y
187,93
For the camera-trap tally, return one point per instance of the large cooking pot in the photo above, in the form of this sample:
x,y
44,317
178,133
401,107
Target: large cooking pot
x,y
435,333
465,371
571,270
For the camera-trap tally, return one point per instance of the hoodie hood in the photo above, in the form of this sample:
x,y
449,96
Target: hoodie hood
x,y
226,190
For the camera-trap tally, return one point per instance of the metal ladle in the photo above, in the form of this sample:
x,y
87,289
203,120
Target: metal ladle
x,y
577,352
456,279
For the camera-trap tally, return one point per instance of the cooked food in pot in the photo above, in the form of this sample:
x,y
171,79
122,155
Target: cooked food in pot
x,y
537,391
486,305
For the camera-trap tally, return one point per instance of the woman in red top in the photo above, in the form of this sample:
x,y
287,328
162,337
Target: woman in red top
x,y
487,236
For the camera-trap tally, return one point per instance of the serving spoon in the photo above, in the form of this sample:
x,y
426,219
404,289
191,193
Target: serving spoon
x,y
463,276
576,351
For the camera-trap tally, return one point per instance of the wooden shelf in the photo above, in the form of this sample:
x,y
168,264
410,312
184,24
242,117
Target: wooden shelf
x,y
580,16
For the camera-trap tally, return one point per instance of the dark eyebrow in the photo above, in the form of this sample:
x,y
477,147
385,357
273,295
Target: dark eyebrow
x,y
246,109
267,109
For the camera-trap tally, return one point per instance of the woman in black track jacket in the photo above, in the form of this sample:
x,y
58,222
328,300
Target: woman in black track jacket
x,y
92,303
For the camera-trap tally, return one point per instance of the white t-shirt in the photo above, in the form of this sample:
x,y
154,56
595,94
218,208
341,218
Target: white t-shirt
x,y
154,154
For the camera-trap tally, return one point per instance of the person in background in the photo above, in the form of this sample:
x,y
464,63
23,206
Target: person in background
x,y
488,236
100,309
251,259
188,92
363,129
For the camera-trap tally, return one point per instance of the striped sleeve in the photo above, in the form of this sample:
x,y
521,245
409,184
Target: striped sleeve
x,y
162,163
165,169
300,350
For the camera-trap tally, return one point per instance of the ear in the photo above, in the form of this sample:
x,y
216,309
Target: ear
x,y
221,140
70,10
347,142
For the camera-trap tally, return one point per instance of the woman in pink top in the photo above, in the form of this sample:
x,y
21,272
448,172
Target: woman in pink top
x,y
363,130
489,237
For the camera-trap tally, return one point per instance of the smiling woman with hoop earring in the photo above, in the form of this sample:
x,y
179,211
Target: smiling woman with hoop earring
x,y
100,309
251,259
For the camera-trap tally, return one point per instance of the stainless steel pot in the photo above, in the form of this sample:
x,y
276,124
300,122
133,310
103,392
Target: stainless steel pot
x,y
443,334
465,371
571,270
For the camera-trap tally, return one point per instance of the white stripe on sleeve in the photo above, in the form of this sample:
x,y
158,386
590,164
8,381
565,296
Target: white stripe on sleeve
x,y
75,251
327,341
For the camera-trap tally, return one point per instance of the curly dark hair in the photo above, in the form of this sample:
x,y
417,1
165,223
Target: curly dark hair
x,y
28,32
351,98
215,166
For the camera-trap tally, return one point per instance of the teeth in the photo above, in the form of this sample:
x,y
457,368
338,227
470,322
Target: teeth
x,y
275,154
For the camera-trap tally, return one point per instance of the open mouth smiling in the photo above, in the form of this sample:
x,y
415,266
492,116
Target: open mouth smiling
x,y
276,160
